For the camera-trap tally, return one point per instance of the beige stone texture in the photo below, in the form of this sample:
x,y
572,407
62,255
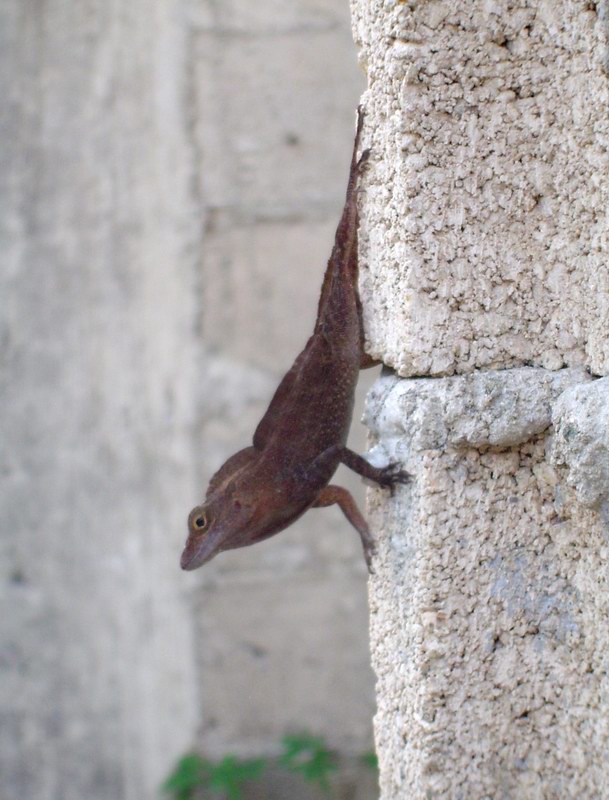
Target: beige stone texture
x,y
580,443
490,607
486,227
485,284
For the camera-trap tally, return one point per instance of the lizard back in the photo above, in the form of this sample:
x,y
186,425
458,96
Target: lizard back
x,y
313,405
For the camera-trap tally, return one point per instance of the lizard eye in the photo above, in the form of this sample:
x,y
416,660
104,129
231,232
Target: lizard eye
x,y
198,520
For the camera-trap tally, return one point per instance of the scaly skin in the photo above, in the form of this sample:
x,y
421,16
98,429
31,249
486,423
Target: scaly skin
x,y
301,439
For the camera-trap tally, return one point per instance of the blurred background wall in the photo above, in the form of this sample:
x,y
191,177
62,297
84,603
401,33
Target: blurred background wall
x,y
171,173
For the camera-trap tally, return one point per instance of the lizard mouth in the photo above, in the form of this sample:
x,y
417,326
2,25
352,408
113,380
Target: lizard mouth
x,y
199,549
188,560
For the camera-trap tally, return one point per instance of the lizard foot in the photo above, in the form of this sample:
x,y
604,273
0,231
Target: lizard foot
x,y
369,553
392,475
363,160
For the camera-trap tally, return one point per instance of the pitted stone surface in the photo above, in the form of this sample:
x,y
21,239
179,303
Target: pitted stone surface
x,y
496,409
581,442
485,223
490,606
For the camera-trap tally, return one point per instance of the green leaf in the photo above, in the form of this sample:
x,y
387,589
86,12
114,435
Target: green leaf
x,y
190,773
370,760
231,773
310,757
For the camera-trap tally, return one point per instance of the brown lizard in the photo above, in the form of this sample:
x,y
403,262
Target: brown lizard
x,y
301,439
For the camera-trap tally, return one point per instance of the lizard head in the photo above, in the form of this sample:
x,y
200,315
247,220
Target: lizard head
x,y
212,527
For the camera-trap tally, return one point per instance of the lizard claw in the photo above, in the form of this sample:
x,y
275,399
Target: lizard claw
x,y
392,475
363,159
369,553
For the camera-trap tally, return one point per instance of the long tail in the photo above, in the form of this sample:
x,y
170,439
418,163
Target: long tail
x,y
344,253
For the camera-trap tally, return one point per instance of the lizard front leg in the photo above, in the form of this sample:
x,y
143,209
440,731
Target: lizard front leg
x,y
387,477
336,494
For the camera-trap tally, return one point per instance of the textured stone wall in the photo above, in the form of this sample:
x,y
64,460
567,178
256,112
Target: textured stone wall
x,y
486,252
487,216
491,607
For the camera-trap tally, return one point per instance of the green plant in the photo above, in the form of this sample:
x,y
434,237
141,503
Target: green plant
x,y
225,777
302,754
370,760
189,774
229,775
310,757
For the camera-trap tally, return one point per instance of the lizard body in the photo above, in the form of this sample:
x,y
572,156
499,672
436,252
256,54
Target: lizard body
x,y
301,439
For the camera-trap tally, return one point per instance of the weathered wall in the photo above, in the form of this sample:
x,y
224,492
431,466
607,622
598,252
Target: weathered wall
x,y
487,219
486,249
98,229
491,609
171,176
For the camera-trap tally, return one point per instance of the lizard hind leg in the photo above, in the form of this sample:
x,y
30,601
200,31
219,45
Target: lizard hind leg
x,y
336,494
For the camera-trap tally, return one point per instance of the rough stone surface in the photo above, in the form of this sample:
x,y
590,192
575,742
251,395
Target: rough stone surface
x,y
581,443
485,241
490,607
489,409
486,215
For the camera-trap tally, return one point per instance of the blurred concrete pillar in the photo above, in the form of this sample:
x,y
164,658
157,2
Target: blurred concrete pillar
x,y
98,303
486,246
171,177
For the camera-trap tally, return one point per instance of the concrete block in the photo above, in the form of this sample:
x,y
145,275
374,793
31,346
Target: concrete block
x,y
135,135
580,443
484,235
271,18
486,213
283,655
266,86
262,284
98,692
490,606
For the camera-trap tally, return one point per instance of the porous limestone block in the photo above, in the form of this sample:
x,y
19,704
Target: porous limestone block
x,y
485,224
581,443
490,604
